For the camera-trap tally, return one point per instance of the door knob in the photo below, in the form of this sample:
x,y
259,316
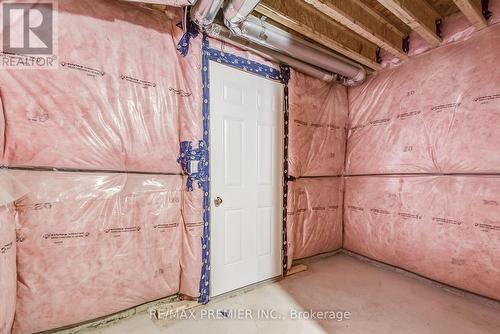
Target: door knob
x,y
218,201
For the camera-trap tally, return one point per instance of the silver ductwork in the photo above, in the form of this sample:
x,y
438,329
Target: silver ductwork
x,y
223,34
271,37
275,43
204,11
237,11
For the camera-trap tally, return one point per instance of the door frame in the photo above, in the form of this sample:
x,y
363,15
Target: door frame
x,y
282,75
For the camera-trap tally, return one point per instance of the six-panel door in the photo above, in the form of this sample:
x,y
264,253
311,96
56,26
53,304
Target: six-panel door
x,y
246,171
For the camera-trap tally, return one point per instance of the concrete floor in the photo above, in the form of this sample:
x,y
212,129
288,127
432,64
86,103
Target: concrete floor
x,y
379,301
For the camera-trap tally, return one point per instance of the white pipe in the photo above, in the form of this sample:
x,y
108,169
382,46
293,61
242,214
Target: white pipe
x,y
237,11
272,37
204,11
222,33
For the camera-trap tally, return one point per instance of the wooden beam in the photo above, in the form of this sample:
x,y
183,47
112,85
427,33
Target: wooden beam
x,y
354,17
296,269
418,15
373,12
472,10
302,18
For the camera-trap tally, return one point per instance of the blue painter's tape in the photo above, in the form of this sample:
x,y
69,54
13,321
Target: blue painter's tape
x,y
194,163
191,32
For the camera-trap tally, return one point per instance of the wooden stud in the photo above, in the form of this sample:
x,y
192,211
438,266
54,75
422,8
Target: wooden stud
x,y
296,269
379,16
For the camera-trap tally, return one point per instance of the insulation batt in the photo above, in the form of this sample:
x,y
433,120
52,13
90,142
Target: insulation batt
x,y
108,241
191,102
191,259
2,135
437,113
317,129
10,191
314,218
7,269
446,228
111,99
317,140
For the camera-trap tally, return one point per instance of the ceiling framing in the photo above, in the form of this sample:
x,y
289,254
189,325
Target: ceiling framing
x,y
357,29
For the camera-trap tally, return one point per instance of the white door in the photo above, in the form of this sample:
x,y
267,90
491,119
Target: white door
x,y
246,174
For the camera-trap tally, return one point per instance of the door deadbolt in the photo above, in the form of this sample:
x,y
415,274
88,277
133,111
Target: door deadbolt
x,y
218,201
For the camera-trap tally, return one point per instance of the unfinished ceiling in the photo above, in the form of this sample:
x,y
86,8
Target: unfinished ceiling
x,y
358,28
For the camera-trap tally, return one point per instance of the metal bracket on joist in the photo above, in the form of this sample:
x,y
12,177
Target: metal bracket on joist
x,y
485,8
377,56
406,43
438,27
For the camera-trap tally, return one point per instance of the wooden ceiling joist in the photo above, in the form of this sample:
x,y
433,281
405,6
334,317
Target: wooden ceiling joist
x,y
418,15
472,9
380,16
354,15
304,19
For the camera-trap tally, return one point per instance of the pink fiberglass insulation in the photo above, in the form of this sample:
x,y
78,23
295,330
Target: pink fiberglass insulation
x,y
10,191
446,228
112,103
435,113
108,241
191,98
314,215
191,260
7,269
318,116
2,134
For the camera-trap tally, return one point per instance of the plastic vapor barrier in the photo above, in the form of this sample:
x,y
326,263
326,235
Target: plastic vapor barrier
x,y
314,217
446,228
191,94
10,191
436,113
110,100
191,259
7,269
113,103
317,129
108,241
317,141
2,135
